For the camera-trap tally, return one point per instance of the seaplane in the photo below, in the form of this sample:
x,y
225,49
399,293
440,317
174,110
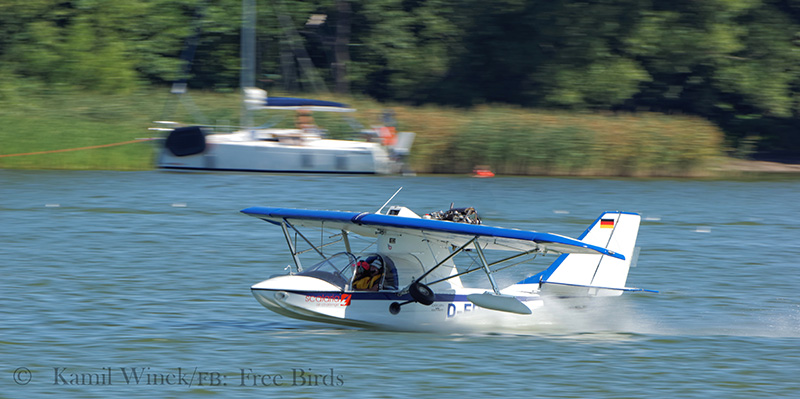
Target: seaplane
x,y
404,276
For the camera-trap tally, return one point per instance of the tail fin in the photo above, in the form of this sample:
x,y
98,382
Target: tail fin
x,y
590,273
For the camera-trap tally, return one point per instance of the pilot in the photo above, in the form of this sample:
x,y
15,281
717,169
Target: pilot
x,y
367,275
305,121
388,132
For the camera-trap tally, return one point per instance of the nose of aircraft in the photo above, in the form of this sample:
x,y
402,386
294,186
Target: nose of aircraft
x,y
268,298
296,283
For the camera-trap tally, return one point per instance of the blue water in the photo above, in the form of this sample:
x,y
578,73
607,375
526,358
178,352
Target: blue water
x,y
110,273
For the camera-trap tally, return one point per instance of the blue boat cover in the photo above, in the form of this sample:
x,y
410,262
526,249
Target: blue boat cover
x,y
300,102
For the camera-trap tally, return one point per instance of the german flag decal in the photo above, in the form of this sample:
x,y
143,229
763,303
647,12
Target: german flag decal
x,y
606,223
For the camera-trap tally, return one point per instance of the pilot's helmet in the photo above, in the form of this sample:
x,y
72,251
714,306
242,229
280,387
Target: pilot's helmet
x,y
375,260
362,264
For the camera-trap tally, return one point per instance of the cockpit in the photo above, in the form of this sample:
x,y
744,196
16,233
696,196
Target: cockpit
x,y
372,272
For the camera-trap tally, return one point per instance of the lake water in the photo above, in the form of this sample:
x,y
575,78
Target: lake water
x,y
110,274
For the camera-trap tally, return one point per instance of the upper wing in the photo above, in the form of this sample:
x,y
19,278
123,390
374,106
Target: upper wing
x,y
370,224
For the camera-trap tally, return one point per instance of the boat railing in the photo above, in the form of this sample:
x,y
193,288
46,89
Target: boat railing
x,y
223,126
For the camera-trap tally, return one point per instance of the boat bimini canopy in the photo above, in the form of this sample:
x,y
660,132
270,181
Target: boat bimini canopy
x,y
258,99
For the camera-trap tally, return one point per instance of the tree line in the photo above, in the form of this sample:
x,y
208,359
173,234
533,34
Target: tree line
x,y
734,62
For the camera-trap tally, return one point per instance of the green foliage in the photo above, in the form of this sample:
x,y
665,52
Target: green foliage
x,y
602,83
734,62
403,50
93,44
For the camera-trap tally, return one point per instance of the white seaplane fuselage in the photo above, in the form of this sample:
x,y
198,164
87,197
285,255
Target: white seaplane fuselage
x,y
315,299
322,302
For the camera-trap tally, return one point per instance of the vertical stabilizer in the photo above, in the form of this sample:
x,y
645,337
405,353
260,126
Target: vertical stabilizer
x,y
616,231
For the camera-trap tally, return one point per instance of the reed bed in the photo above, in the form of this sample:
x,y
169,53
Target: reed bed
x,y
517,141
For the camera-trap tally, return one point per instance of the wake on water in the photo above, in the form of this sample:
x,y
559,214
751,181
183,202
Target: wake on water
x,y
604,318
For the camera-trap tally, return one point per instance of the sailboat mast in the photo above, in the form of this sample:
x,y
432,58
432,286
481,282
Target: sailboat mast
x,y
247,78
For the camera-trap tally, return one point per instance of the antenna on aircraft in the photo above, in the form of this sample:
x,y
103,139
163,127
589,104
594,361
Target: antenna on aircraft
x,y
389,200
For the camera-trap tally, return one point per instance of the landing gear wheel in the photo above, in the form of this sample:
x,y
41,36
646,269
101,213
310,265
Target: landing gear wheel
x,y
421,293
394,308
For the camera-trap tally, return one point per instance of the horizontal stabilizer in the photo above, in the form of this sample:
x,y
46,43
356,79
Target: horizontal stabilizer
x,y
503,303
626,289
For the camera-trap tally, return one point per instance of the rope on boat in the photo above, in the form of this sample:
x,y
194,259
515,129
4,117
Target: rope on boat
x,y
76,149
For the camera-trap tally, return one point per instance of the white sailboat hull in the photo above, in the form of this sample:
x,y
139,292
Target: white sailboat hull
x,y
238,151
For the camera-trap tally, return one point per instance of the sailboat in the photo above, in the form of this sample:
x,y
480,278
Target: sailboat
x,y
302,149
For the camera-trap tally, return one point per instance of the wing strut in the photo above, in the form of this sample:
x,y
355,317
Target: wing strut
x,y
454,253
490,265
285,227
486,268
321,245
291,246
421,292
496,301
302,236
346,239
